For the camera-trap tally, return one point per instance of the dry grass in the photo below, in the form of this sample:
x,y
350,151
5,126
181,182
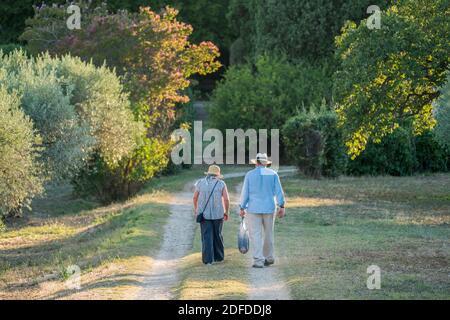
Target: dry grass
x,y
113,245
335,229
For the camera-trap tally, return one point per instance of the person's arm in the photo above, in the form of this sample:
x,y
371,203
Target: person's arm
x,y
226,202
279,194
244,197
195,200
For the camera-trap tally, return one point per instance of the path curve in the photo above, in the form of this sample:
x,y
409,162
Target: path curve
x,y
163,278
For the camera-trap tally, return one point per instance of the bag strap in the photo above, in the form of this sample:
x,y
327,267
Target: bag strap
x,y
204,208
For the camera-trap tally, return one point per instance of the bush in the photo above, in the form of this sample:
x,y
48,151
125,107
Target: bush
x,y
394,155
78,110
431,156
20,178
154,55
267,94
101,102
299,29
314,143
442,115
46,100
10,47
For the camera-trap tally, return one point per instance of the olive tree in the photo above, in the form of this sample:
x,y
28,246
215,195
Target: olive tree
x,y
20,177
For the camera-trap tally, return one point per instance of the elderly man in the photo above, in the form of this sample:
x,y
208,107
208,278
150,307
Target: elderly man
x,y
261,187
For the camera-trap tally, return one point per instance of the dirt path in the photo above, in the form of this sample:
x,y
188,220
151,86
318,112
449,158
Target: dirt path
x,y
266,283
177,242
163,278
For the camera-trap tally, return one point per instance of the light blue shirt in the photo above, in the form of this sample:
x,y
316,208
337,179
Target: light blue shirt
x,y
261,187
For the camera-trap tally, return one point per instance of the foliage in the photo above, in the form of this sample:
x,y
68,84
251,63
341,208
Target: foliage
x,y
151,50
430,155
162,64
10,47
110,184
101,101
314,143
394,155
208,17
156,58
442,115
392,74
79,109
298,29
20,179
265,95
12,19
65,137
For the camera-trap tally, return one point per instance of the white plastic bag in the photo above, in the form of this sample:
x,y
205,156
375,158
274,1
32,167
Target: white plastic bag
x,y
243,238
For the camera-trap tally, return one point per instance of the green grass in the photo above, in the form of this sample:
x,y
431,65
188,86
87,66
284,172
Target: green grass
x,y
335,229
63,230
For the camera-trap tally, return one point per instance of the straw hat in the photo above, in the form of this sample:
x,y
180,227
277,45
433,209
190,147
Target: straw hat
x,y
261,157
215,171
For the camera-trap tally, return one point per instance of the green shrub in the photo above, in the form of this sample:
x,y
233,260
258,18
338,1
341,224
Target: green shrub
x,y
431,156
442,115
101,102
46,100
153,53
80,110
10,47
299,29
394,155
314,143
20,178
267,94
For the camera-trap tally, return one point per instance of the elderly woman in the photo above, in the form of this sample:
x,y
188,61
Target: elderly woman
x,y
211,199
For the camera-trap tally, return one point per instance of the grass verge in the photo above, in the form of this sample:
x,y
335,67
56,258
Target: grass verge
x,y
113,245
336,229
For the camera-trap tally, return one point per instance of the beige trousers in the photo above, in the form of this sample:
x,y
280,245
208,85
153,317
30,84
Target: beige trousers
x,y
260,227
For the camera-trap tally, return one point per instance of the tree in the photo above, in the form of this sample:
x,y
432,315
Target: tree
x,y
392,74
65,138
267,94
299,29
77,108
314,142
103,104
152,51
20,179
156,59
442,111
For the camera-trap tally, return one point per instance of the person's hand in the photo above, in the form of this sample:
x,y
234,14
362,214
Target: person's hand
x,y
225,216
242,213
281,213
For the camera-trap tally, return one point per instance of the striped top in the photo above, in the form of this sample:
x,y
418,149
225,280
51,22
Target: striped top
x,y
214,210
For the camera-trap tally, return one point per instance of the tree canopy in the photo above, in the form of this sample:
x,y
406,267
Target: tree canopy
x,y
20,177
392,74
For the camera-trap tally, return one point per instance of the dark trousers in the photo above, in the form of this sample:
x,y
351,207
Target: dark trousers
x,y
212,241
